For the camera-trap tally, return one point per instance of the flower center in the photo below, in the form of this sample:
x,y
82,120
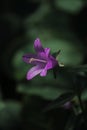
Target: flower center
x,y
39,60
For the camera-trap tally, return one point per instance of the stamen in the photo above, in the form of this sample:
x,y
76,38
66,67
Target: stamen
x,y
33,59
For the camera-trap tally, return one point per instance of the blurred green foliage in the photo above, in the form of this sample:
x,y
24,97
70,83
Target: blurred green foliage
x,y
39,103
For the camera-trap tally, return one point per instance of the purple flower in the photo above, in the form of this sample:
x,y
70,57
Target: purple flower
x,y
42,60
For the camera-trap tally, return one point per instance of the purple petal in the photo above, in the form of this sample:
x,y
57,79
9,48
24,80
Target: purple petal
x,y
42,55
38,46
28,57
43,72
52,62
49,65
47,51
33,72
34,60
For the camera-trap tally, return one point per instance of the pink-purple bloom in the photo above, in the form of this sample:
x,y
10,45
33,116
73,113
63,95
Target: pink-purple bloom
x,y
42,60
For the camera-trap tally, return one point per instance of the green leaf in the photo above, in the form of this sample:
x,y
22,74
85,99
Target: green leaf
x,y
45,92
70,5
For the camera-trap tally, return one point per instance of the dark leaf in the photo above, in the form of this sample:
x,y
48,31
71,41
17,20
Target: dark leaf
x,y
81,68
61,100
71,122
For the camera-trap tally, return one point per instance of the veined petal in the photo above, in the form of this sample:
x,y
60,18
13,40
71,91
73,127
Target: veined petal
x,y
33,72
38,46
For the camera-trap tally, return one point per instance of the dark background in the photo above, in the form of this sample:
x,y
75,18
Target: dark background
x,y
61,25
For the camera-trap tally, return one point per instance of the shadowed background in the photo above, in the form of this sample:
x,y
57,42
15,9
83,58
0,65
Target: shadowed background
x,y
61,25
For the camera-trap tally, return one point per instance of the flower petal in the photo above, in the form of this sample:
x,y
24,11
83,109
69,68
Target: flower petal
x,y
49,65
52,62
27,58
43,72
38,46
47,51
33,72
44,55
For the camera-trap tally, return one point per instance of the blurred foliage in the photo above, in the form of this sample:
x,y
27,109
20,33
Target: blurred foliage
x,y
40,103
70,5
